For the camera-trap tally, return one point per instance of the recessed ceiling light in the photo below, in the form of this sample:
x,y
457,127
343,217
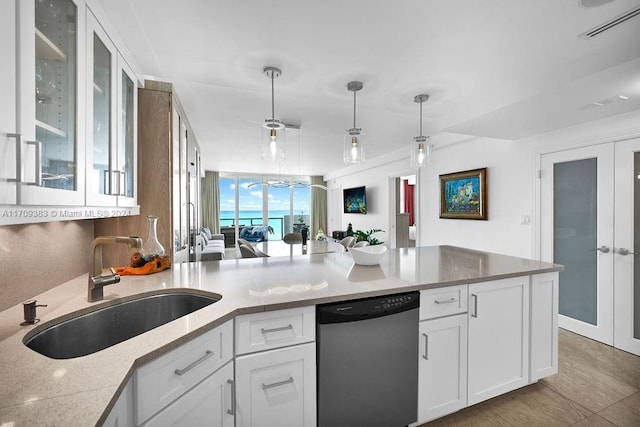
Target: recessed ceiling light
x,y
623,97
598,103
593,3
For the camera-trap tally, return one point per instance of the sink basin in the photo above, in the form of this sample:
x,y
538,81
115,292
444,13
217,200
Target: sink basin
x,y
97,330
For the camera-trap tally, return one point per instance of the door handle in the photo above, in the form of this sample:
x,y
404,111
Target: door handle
x,y
425,356
625,252
474,297
603,249
277,384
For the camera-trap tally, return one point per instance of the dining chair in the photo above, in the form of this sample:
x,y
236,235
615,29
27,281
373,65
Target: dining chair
x,y
361,244
292,238
247,252
348,242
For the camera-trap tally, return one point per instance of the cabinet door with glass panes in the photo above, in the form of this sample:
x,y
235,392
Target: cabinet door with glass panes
x,y
111,122
49,158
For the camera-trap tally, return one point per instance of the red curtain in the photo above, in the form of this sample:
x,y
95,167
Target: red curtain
x,y
408,200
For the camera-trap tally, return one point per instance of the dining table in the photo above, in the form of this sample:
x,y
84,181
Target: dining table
x,y
280,248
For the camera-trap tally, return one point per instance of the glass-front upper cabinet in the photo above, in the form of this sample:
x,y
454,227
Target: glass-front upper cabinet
x,y
111,122
49,156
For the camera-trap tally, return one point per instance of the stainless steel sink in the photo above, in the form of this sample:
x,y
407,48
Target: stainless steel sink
x,y
97,330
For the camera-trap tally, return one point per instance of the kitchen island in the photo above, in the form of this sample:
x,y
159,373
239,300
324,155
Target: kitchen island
x,y
36,390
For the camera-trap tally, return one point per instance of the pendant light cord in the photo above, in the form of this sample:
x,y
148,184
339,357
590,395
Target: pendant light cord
x,y
421,117
354,109
273,108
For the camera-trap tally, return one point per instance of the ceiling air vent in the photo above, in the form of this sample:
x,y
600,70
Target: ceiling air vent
x,y
632,13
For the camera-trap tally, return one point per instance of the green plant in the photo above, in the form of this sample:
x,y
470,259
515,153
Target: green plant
x,y
367,236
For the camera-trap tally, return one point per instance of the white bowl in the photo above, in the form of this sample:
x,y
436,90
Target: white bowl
x,y
368,255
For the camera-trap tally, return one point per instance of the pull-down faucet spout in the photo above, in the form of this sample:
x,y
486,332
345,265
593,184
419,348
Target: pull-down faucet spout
x,y
96,280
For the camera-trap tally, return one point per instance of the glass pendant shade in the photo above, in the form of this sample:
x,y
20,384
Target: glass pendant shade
x,y
420,151
419,148
273,130
353,148
273,140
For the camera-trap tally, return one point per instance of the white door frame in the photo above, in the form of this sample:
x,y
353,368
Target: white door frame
x,y
392,204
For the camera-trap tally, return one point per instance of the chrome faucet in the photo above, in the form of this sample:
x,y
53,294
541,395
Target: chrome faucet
x,y
96,280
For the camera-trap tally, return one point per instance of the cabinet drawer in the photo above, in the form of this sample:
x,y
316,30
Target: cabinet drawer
x,y
274,329
443,301
163,380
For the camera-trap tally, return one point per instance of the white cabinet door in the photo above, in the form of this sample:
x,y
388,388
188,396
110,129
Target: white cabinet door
x,y
8,68
122,412
277,388
51,102
498,337
544,326
210,403
442,369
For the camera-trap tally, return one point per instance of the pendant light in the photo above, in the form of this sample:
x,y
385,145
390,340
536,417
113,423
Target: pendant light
x,y
420,147
273,130
353,148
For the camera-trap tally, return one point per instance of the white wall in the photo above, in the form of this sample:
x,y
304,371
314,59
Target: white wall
x,y
512,180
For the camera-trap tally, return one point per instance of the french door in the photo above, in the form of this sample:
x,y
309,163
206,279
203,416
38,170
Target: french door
x,y
590,204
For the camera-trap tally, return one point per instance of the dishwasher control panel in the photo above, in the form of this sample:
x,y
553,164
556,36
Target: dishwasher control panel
x,y
367,308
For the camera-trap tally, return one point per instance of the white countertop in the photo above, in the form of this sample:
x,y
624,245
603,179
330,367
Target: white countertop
x,y
37,390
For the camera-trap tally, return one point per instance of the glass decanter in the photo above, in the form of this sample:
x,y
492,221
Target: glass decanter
x,y
152,247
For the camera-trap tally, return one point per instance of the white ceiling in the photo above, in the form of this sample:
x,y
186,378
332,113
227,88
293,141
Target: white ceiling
x,y
496,68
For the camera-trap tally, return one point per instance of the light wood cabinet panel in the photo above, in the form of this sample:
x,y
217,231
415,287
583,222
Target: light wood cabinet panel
x,y
164,138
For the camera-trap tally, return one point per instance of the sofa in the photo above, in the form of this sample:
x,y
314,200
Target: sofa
x,y
212,245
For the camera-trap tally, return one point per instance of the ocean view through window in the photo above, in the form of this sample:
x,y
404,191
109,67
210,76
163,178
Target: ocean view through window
x,y
283,210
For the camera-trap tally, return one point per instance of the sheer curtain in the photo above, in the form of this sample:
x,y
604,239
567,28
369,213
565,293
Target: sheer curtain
x,y
211,201
318,207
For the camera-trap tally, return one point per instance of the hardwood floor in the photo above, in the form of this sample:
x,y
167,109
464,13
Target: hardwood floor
x,y
597,385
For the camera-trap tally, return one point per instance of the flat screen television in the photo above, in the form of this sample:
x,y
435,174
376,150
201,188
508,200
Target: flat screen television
x,y
354,200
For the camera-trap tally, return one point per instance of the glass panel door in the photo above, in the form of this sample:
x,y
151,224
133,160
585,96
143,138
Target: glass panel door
x,y
577,231
51,160
101,177
627,235
127,130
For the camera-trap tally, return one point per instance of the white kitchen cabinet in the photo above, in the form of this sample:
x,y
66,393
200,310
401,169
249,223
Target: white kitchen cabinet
x,y
110,122
498,343
170,376
51,102
210,403
277,387
544,326
442,369
121,414
9,138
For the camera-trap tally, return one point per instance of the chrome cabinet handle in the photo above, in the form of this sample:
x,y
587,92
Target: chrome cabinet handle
x,y
446,301
278,384
183,371
603,249
625,252
425,356
284,328
474,305
17,177
232,411
38,146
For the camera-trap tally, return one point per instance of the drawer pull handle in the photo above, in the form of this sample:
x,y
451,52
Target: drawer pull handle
x,y
284,328
207,355
425,356
278,384
232,411
446,301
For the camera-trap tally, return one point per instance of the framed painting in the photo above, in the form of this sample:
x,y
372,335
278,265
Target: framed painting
x,y
463,195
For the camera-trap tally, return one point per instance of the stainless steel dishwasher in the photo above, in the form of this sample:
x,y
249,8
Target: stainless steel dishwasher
x,y
367,361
